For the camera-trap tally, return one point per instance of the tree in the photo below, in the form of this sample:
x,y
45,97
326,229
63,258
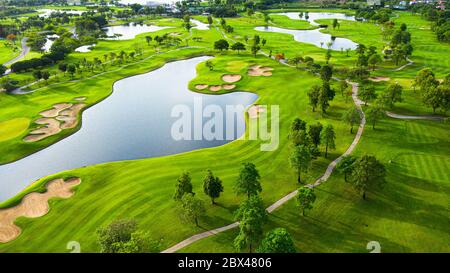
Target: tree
x,y
183,186
250,229
277,241
2,69
62,67
221,45
326,72
367,93
345,166
392,94
255,48
212,186
374,114
192,208
324,97
367,173
343,86
335,23
374,60
140,242
210,65
119,231
437,97
300,160
314,133
296,60
45,75
305,198
426,79
238,46
328,136
253,203
148,39
37,74
248,180
352,117
71,68
313,96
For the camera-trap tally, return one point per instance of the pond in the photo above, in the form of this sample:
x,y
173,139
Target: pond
x,y
199,25
314,37
47,12
127,32
84,49
313,16
50,39
134,122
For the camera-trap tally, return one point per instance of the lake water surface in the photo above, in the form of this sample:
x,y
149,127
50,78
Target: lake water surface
x,y
127,32
314,36
134,122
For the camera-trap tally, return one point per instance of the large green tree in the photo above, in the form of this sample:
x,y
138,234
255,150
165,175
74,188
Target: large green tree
x,y
305,199
328,136
345,166
212,186
367,174
277,241
300,160
183,186
192,208
352,117
248,181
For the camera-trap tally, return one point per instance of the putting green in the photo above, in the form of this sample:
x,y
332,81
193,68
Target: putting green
x,y
236,66
13,128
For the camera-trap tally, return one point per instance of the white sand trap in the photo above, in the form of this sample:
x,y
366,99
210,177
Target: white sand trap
x,y
380,79
52,125
258,70
231,78
80,98
254,110
51,113
33,205
215,88
228,86
201,86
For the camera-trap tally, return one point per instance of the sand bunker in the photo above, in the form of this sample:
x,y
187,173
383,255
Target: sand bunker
x,y
231,78
215,88
258,70
61,116
380,79
228,86
51,113
254,110
33,205
80,98
201,86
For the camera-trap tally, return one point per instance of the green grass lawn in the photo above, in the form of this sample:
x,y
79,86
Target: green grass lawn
x,y
409,214
7,52
143,189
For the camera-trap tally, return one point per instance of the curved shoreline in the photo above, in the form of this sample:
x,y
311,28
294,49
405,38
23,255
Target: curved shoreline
x,y
37,184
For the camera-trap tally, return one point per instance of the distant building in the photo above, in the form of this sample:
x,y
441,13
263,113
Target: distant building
x,y
372,3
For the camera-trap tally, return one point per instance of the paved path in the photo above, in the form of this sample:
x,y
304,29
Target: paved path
x,y
410,62
291,195
25,50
